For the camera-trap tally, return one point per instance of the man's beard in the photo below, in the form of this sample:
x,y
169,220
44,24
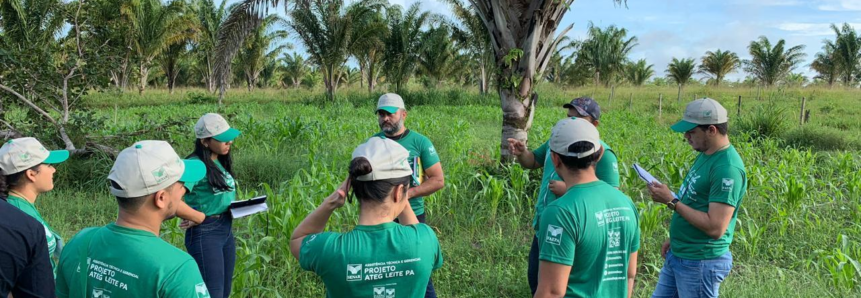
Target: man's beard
x,y
392,128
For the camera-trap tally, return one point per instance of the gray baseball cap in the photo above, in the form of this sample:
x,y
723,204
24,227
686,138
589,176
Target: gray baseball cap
x,y
20,154
388,159
703,111
586,106
390,102
149,166
572,130
214,126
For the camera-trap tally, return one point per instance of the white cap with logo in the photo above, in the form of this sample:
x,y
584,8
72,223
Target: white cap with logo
x,y
388,159
214,126
702,111
21,154
149,166
390,103
568,131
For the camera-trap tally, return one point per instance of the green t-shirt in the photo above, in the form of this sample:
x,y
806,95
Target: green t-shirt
x,y
205,198
716,178
116,261
55,243
593,228
383,261
422,156
607,170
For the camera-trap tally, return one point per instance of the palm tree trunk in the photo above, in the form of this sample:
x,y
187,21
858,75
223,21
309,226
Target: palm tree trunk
x,y
516,118
679,98
144,71
482,80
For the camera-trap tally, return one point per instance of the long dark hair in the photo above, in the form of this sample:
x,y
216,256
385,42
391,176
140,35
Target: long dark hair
x,y
7,181
213,173
372,191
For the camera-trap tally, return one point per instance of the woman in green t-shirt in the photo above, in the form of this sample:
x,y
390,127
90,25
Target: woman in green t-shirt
x,y
211,243
379,257
27,171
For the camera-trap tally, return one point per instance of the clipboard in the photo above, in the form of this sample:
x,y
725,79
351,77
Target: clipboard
x,y
239,209
645,175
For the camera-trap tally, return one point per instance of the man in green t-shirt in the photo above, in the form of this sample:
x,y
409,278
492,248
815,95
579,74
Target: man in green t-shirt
x,y
424,160
590,236
697,255
552,185
127,258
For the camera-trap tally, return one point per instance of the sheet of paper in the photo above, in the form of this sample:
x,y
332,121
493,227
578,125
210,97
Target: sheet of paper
x,y
645,175
248,210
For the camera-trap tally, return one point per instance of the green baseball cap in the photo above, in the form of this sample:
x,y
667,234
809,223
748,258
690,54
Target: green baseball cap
x,y
214,126
703,111
149,166
20,154
390,102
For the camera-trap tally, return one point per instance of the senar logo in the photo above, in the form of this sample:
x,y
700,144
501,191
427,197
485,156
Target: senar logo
x,y
554,235
201,291
379,292
159,174
101,293
354,272
727,183
390,293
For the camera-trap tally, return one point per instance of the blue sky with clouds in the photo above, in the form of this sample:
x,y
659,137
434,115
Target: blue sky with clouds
x,y
685,28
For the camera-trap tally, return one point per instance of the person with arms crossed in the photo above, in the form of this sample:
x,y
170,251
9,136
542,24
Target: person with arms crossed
x,y
127,258
552,185
27,169
379,257
590,236
697,256
424,160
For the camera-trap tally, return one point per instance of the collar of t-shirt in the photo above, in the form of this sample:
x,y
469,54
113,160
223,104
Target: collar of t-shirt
x,y
379,227
398,137
113,227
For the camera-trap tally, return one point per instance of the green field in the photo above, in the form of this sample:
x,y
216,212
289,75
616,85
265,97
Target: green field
x,y
797,236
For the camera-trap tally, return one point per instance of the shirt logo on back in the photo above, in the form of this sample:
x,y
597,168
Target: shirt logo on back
x,y
554,235
614,238
201,291
383,292
354,272
727,184
101,293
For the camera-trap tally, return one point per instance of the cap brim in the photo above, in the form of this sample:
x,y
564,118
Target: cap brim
x,y
568,106
194,171
228,135
390,110
683,126
57,156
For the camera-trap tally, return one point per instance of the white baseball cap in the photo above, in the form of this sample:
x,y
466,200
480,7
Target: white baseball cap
x,y
390,103
214,126
149,166
388,159
702,111
568,131
21,154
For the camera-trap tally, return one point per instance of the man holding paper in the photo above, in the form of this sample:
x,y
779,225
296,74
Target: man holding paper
x,y
552,185
697,255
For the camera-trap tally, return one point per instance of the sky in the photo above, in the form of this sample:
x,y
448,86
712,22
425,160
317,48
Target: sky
x,y
688,28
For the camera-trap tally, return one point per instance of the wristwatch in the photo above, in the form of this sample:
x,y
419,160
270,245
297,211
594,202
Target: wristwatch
x,y
672,204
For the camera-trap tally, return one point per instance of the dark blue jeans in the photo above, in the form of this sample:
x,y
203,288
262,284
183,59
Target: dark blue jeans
x,y
532,270
430,292
213,247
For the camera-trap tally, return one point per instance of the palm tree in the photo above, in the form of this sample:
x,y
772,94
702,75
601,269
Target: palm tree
x,y
30,23
154,28
825,65
718,64
252,59
795,80
472,34
170,62
293,69
638,73
436,54
556,66
329,33
210,19
847,50
369,51
403,44
681,71
770,64
606,52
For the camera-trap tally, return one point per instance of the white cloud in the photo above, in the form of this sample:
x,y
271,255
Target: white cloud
x,y
810,29
839,5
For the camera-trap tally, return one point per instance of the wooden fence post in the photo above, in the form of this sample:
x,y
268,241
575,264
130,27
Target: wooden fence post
x,y
801,114
739,105
660,105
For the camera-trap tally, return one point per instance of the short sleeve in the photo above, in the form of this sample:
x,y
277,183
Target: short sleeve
x,y
312,252
438,259
429,156
185,281
607,168
727,185
541,153
635,241
557,236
